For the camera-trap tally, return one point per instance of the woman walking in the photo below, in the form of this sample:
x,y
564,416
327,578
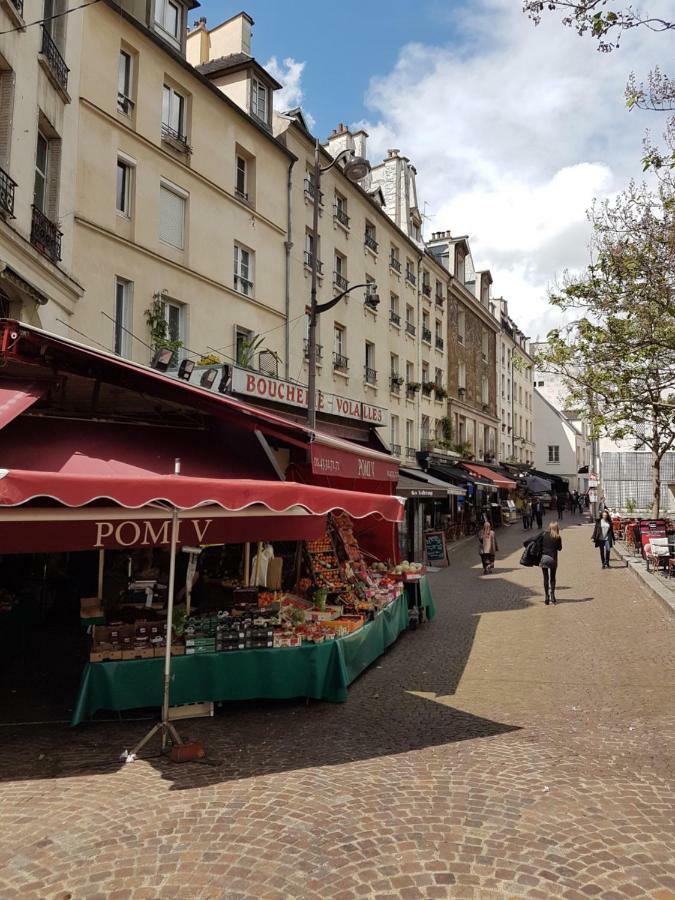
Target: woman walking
x,y
487,547
603,537
551,545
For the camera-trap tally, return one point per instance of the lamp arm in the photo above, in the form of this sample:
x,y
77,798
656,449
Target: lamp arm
x,y
337,159
329,304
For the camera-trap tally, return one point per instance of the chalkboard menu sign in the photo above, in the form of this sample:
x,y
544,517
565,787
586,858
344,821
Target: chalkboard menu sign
x,y
437,553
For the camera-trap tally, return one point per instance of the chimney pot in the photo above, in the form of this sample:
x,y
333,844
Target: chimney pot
x,y
392,153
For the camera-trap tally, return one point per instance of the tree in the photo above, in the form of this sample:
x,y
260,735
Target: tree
x,y
618,352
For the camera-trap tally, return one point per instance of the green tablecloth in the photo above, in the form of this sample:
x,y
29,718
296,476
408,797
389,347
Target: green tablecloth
x,y
320,671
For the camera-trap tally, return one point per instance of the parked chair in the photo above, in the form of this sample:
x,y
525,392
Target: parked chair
x,y
657,553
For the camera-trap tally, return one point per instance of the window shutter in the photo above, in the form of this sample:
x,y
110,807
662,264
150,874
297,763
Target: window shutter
x,y
6,111
171,217
53,179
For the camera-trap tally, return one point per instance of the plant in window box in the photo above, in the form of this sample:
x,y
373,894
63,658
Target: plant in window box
x,y
440,392
427,388
160,336
397,381
413,386
248,348
209,359
486,407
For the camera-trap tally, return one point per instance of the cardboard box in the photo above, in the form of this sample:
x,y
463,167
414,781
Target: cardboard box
x,y
104,655
138,653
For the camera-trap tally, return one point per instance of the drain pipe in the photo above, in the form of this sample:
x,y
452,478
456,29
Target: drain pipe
x,y
288,244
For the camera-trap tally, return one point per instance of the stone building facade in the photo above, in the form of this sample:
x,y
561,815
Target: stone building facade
x,y
515,389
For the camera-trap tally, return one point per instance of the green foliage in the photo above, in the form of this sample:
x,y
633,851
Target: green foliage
x,y
160,337
631,506
248,348
209,359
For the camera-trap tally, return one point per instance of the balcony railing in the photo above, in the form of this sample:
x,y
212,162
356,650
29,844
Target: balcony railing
x,y
410,452
395,382
394,318
370,242
56,62
124,104
440,343
342,216
410,276
410,329
309,261
396,449
426,289
45,235
340,362
175,137
426,335
395,263
319,350
371,375
311,190
241,195
440,299
7,186
340,281
243,285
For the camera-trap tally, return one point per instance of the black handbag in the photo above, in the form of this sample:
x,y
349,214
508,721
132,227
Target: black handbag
x,y
532,553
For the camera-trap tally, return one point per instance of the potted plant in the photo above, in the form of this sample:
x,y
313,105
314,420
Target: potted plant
x,y
413,386
440,392
427,388
397,381
461,391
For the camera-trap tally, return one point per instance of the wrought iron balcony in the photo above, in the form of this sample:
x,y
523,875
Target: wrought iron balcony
x,y
309,261
410,328
340,362
45,235
56,62
319,350
426,289
241,195
439,298
124,104
426,335
342,216
394,263
440,343
371,375
395,382
410,452
7,186
310,189
410,276
394,317
340,281
370,242
176,138
396,449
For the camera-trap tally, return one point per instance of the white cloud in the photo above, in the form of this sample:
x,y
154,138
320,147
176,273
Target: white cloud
x,y
289,74
514,130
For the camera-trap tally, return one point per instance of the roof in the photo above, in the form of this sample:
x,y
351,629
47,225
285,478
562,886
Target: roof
x,y
559,413
234,63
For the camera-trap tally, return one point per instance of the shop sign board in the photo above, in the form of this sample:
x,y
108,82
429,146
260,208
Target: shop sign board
x,y
328,460
436,548
265,387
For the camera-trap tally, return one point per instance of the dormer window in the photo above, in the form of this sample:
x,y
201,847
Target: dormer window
x,y
259,100
168,16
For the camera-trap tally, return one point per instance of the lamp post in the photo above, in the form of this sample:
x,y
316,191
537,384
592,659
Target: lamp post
x,y
355,168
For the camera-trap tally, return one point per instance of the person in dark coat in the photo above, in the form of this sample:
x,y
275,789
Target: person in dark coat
x,y
603,537
560,503
538,511
549,544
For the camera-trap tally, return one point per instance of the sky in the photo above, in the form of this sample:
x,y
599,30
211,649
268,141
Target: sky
x,y
513,129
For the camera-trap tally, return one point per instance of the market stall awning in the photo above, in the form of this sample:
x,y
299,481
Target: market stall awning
x,y
501,481
536,484
417,488
451,474
414,479
16,397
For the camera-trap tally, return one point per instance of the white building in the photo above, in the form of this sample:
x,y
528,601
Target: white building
x,y
562,444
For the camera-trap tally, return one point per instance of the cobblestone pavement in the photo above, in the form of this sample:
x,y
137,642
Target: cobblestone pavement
x,y
508,749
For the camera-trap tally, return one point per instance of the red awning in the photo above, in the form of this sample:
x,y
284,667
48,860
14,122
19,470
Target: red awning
x,y
15,398
498,480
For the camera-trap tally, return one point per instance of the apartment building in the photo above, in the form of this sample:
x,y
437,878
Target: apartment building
x,y
472,350
515,375
39,84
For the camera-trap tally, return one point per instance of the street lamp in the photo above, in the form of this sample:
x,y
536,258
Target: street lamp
x,y
355,168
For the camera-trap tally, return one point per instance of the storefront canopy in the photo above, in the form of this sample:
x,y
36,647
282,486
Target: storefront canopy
x,y
16,397
537,485
501,481
415,480
451,474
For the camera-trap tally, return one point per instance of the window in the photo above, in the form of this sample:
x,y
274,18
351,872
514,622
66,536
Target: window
x,y
484,390
341,210
124,102
259,105
410,271
520,395
438,377
485,344
554,453
426,330
122,316
173,114
371,373
175,314
461,376
503,355
394,261
409,433
310,249
41,161
394,432
340,340
340,272
123,193
370,238
426,428
168,17
540,383
243,270
171,217
243,346
409,372
461,325
394,314
241,178
503,386
410,319
393,360
460,267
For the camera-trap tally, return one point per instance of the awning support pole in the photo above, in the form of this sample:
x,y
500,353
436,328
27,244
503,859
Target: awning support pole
x,y
164,726
101,567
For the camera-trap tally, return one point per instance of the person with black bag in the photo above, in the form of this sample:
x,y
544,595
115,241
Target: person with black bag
x,y
543,551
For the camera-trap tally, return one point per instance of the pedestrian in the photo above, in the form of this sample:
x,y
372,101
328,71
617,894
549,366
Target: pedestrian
x,y
487,547
560,503
551,545
538,511
527,515
603,537
574,501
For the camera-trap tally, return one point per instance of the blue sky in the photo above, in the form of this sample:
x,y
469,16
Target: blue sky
x,y
513,130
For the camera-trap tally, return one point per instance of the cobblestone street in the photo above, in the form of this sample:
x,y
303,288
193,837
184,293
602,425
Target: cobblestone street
x,y
506,749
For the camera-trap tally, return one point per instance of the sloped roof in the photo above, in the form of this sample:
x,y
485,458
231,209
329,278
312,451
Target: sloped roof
x,y
233,62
